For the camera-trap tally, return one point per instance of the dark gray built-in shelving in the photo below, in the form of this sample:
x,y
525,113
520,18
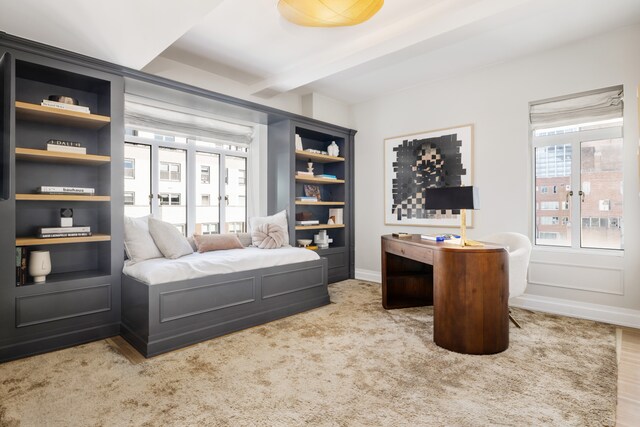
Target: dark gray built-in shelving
x,y
80,300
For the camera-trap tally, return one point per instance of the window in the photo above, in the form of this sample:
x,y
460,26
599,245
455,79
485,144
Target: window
x,y
169,171
172,168
205,174
578,155
167,199
130,168
129,198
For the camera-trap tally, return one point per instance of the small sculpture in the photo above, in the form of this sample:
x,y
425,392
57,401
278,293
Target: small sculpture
x,y
333,149
310,167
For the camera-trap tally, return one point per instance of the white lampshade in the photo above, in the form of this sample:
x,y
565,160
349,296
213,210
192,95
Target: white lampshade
x,y
328,13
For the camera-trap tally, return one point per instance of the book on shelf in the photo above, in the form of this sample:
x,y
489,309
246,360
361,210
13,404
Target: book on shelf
x,y
326,176
65,106
49,189
304,173
65,149
439,237
308,222
73,229
64,143
55,235
21,266
307,199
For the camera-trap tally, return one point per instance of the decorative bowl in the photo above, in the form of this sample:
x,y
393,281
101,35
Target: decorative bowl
x,y
63,99
304,242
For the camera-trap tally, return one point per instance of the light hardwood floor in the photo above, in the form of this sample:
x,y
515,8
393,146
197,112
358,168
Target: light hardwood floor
x,y
628,413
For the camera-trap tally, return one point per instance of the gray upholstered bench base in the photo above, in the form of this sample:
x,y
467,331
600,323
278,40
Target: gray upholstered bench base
x,y
167,316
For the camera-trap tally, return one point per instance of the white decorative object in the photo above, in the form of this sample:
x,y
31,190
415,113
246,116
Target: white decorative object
x,y
322,239
304,242
310,167
298,142
333,149
39,265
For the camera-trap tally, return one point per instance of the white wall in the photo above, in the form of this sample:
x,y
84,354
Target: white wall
x,y
320,107
495,99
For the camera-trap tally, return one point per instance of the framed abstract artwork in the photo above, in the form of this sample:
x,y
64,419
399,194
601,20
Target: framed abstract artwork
x,y
412,163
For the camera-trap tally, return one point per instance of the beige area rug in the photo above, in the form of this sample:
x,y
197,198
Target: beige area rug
x,y
350,363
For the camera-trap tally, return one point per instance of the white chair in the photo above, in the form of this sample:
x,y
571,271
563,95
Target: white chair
x,y
519,248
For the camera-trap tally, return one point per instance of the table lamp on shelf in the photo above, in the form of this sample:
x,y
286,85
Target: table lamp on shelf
x,y
458,198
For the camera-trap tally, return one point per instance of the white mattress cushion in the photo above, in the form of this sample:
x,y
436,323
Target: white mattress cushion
x,y
162,270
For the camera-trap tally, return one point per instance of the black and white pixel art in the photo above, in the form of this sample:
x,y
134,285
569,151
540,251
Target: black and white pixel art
x,y
418,162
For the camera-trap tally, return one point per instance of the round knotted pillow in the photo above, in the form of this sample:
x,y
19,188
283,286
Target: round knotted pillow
x,y
267,236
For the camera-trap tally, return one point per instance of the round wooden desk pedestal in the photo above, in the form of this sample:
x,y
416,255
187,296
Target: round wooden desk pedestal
x,y
470,300
468,287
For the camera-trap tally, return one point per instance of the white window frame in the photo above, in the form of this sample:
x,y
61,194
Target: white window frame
x,y
574,139
192,146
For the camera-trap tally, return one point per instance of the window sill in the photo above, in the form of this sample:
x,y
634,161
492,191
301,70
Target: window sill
x,y
618,253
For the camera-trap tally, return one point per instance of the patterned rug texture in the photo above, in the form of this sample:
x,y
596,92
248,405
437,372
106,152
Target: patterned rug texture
x,y
350,363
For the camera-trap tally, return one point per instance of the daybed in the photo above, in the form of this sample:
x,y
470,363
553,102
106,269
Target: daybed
x,y
219,292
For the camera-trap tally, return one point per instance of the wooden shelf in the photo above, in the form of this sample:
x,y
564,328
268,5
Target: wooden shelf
x,y
318,227
298,202
34,241
63,197
45,156
315,180
40,113
318,158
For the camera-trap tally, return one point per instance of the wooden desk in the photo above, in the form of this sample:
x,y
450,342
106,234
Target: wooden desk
x,y
468,288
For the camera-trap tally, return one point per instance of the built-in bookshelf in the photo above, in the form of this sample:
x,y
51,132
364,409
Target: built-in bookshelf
x,y
330,180
79,300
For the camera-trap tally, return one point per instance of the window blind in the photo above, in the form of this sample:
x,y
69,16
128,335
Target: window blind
x,y
581,108
143,113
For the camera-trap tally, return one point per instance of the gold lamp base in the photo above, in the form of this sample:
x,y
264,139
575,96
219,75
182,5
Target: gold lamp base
x,y
463,231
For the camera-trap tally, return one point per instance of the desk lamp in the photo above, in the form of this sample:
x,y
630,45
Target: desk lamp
x,y
459,198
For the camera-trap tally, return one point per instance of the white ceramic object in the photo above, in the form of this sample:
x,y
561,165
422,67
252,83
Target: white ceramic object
x,y
333,149
39,265
304,242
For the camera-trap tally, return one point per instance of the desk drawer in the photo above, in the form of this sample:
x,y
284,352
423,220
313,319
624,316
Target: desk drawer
x,y
416,253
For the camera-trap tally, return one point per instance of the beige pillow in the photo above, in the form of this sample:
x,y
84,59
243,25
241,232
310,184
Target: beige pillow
x,y
267,236
168,239
278,219
217,242
138,243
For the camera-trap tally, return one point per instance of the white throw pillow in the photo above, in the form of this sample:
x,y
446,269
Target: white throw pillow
x,y
278,219
169,240
138,243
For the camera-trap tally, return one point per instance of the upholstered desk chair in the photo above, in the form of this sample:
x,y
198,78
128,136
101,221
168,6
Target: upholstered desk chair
x,y
519,248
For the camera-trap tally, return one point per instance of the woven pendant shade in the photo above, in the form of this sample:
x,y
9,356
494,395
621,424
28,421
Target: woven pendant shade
x,y
328,13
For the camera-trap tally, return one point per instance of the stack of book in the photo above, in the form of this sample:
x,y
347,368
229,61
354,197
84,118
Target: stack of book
x,y
49,189
440,237
52,232
21,266
307,199
65,146
304,174
308,222
326,176
65,106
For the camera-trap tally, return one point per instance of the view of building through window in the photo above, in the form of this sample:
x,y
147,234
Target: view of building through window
x,y
578,189
218,197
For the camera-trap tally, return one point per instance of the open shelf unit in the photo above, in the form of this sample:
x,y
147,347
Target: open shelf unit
x,y
80,299
335,194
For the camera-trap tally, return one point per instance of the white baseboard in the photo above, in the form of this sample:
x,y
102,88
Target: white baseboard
x,y
600,313
368,275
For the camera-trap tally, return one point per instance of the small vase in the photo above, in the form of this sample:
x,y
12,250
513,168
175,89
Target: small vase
x,y
333,149
39,265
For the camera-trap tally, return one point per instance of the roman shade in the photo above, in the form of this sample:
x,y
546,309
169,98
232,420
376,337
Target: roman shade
x,y
140,112
580,108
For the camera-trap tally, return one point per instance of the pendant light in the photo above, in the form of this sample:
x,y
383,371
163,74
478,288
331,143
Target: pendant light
x,y
328,13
